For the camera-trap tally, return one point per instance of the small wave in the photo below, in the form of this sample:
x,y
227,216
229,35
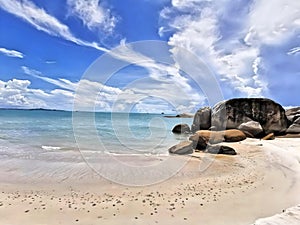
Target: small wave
x,y
50,148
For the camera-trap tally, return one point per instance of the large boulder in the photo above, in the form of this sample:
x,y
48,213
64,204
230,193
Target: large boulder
x,y
185,147
202,119
181,128
212,137
252,127
234,135
199,142
294,128
215,137
221,149
232,113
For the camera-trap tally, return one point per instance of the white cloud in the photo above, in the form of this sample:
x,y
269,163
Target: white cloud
x,y
62,83
272,22
15,93
294,51
196,27
50,61
92,14
91,93
43,21
12,53
164,83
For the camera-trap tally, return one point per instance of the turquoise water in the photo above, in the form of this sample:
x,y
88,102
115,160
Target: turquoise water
x,y
38,131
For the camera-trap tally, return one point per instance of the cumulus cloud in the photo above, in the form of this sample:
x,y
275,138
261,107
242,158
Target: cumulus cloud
x,y
43,21
272,22
165,81
92,14
12,53
18,94
197,27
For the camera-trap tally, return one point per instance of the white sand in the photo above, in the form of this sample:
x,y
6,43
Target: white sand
x,y
261,181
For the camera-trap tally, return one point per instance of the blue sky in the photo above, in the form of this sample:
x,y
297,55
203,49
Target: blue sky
x,y
251,47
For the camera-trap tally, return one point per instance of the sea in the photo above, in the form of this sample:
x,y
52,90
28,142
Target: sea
x,y
26,133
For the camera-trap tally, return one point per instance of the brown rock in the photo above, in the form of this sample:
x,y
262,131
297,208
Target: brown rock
x,y
212,137
234,135
269,137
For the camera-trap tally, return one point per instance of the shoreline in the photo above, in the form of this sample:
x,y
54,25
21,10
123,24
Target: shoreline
x,y
262,180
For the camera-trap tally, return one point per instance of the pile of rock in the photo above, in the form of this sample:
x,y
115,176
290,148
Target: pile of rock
x,y
235,120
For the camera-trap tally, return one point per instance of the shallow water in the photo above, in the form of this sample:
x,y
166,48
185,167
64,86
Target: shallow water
x,y
30,132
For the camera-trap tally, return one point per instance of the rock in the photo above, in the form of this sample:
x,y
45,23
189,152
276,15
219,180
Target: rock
x,y
212,137
185,147
292,115
215,137
221,149
199,142
248,135
292,111
294,128
213,128
181,128
269,137
232,113
202,119
252,127
234,135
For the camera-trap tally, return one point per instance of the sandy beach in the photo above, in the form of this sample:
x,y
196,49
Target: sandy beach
x,y
262,180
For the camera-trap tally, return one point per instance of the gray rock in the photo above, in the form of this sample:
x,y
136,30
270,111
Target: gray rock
x,y
292,111
199,142
232,113
185,147
297,121
293,114
221,149
202,119
181,128
252,127
294,128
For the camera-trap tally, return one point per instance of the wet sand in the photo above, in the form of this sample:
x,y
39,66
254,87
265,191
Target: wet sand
x,y
262,180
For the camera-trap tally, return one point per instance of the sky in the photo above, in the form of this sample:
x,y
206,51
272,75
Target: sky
x,y
252,49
